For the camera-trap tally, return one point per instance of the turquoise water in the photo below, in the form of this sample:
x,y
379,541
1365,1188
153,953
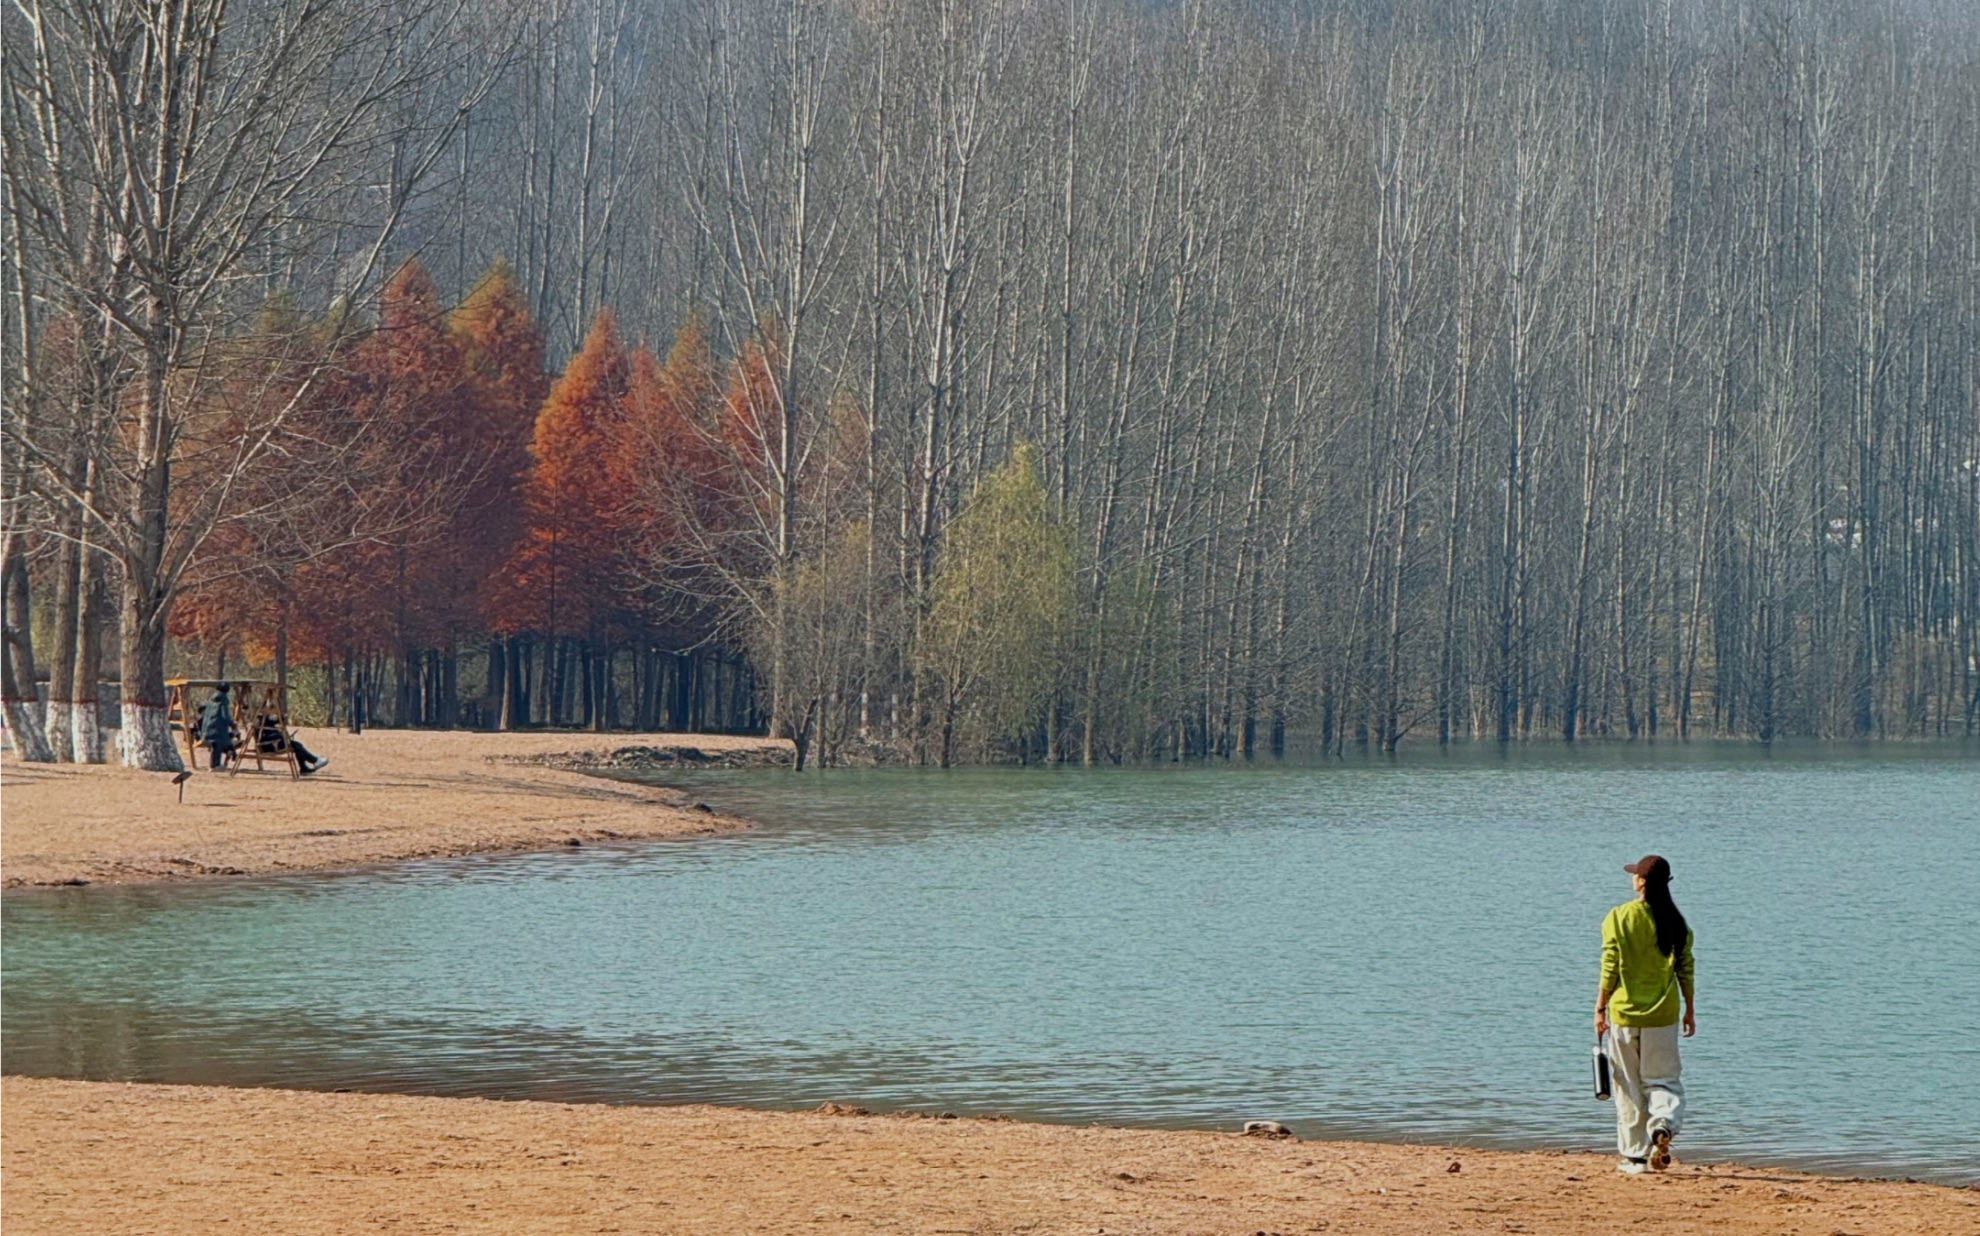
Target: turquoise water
x,y
1399,950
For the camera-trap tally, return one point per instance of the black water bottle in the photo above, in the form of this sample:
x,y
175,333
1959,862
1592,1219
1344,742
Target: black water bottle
x,y
1601,1070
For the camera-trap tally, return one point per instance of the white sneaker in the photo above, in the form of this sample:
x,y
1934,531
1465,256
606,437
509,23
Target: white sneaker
x,y
1660,1150
1632,1167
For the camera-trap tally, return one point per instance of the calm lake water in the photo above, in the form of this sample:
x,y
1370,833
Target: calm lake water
x,y
1399,950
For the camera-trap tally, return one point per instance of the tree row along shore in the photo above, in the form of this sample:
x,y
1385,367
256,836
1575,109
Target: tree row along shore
x,y
1081,380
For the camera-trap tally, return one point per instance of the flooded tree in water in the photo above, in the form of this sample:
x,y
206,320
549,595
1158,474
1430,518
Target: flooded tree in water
x,y
999,610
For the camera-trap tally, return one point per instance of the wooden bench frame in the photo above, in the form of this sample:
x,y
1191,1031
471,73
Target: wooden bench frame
x,y
252,698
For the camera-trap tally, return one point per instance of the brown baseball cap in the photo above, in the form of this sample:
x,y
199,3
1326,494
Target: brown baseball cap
x,y
1650,867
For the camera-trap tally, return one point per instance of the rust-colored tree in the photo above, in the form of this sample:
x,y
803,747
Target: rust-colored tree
x,y
396,586
672,470
750,426
679,507
564,579
238,597
503,349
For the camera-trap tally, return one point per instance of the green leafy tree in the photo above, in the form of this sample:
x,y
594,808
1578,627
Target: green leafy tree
x,y
1001,598
821,601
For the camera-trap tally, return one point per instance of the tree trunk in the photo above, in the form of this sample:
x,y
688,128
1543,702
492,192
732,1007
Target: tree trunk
x,y
553,682
145,740
522,666
30,743
492,713
282,645
85,719
17,689
603,698
352,695
57,720
588,700
18,693
502,657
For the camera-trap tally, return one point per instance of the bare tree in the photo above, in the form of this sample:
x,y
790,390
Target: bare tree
x,y
202,134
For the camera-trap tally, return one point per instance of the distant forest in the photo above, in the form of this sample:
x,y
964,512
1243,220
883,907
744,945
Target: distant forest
x,y
943,380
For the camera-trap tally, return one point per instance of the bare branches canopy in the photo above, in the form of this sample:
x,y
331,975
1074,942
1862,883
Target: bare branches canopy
x,y
1391,370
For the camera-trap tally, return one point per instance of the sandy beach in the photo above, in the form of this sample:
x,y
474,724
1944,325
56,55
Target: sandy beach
x,y
173,1161
387,795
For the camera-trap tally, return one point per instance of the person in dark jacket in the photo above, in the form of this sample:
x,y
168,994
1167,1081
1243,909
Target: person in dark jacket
x,y
216,725
272,741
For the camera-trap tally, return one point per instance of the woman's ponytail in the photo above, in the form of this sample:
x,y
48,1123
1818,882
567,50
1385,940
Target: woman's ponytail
x,y
1671,929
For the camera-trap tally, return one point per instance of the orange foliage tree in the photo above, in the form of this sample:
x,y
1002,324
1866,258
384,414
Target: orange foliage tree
x,y
504,352
675,476
238,596
401,586
561,573
565,576
624,505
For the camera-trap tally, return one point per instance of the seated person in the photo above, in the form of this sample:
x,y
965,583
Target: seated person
x,y
216,725
272,741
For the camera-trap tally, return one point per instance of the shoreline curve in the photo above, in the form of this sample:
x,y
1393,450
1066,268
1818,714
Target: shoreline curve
x,y
387,796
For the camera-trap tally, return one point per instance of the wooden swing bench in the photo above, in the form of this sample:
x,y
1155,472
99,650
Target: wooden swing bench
x,y
253,699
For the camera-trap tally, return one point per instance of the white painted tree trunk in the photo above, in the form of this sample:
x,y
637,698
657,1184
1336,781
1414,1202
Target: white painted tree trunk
x,y
59,731
18,696
85,714
30,744
86,733
145,741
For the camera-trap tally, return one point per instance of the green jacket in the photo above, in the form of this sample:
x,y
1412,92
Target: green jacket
x,y
1643,984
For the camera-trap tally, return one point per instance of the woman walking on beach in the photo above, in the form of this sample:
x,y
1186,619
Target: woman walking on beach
x,y
1646,966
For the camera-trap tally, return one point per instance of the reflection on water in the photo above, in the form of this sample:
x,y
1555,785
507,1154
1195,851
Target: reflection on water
x,y
1400,950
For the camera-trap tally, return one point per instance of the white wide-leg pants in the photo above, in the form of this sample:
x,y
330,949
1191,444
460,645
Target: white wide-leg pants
x,y
1649,1096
